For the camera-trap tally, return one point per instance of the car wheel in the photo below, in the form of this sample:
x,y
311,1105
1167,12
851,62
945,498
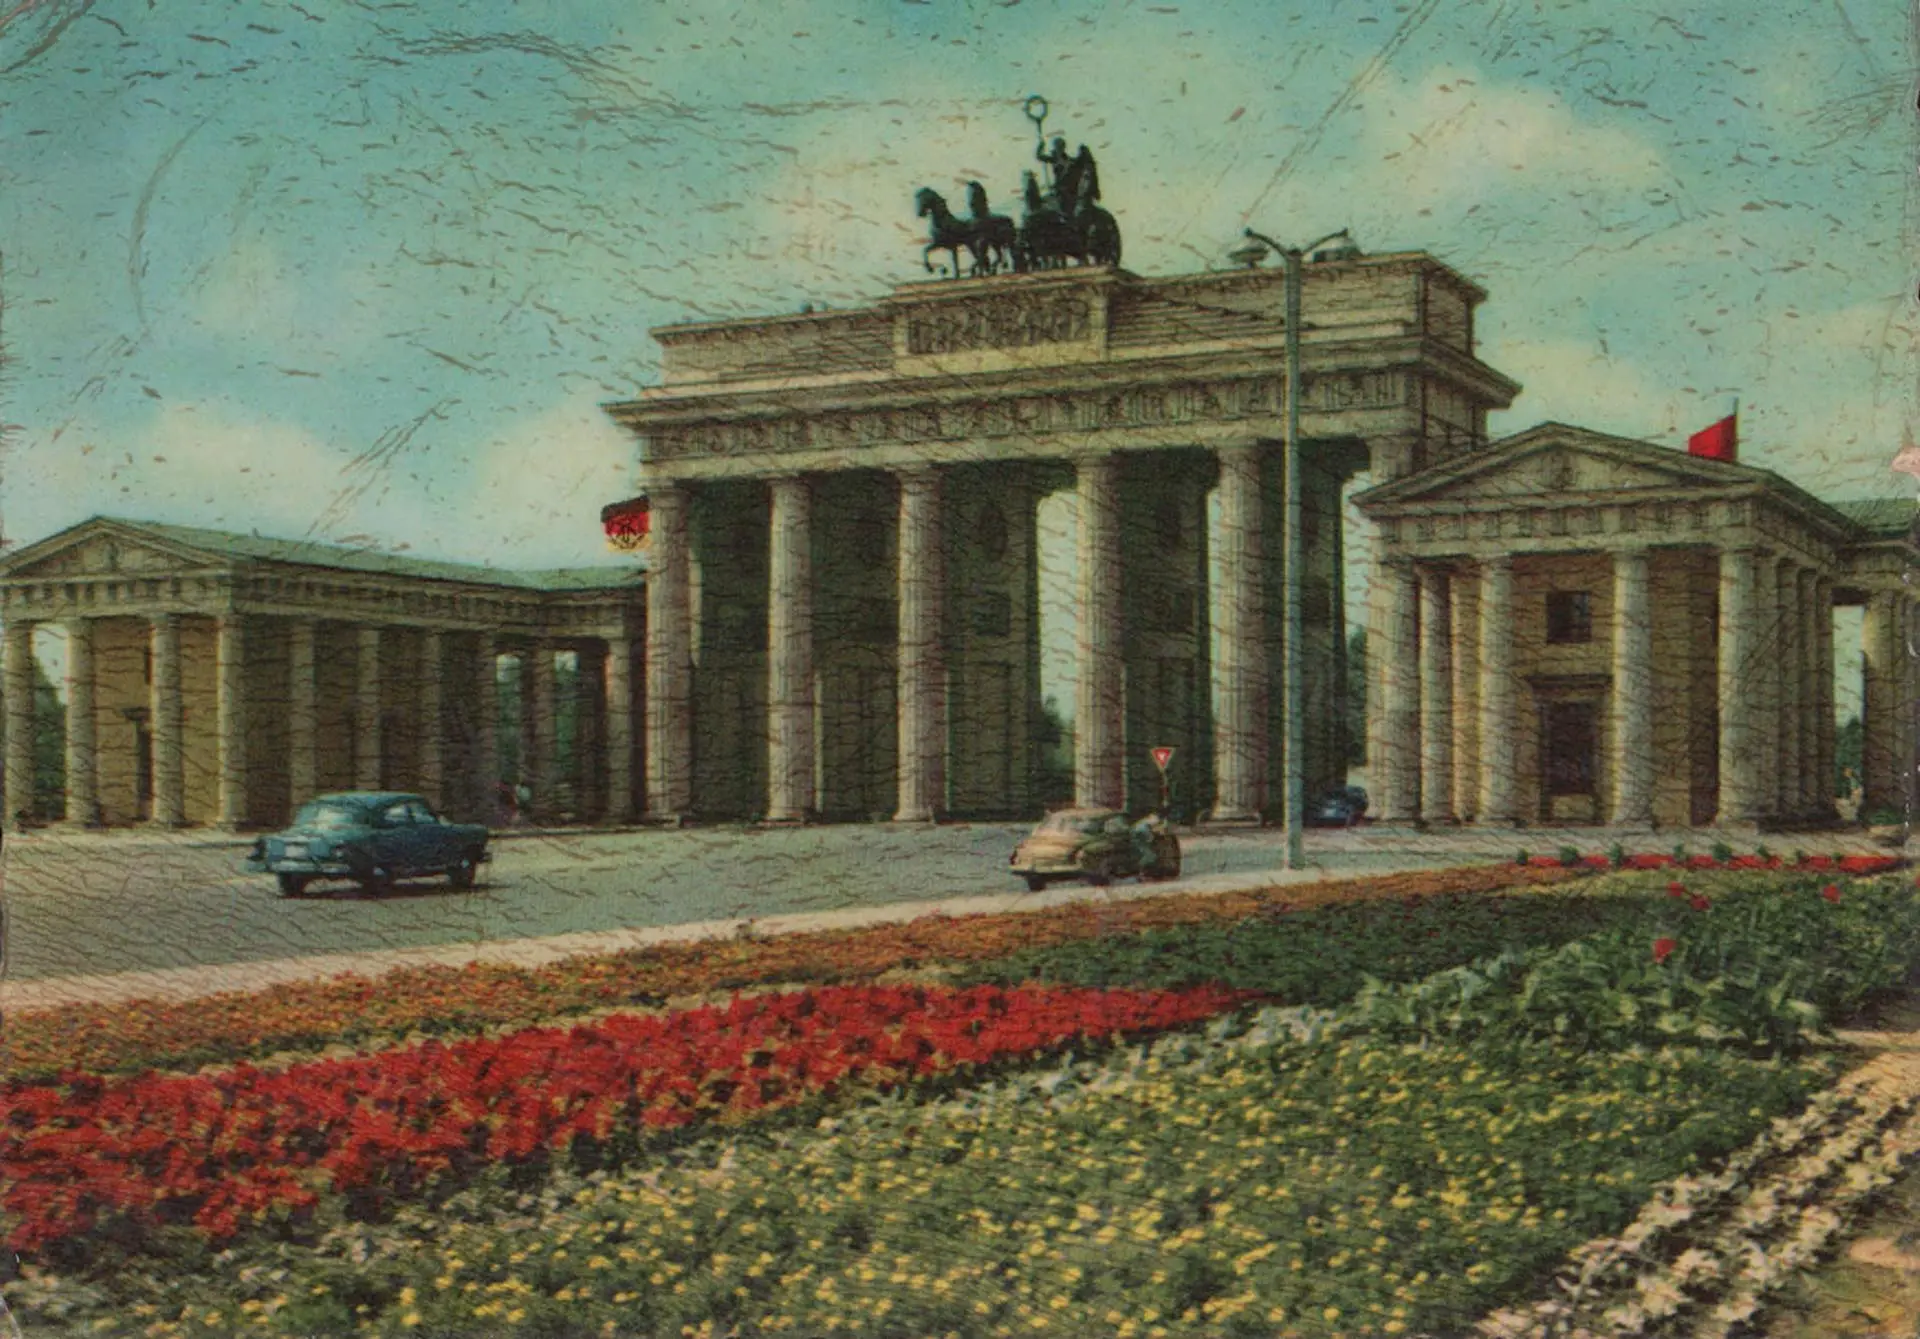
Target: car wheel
x,y
1100,875
1036,882
461,875
292,885
377,880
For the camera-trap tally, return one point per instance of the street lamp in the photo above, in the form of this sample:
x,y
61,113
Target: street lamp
x,y
1295,783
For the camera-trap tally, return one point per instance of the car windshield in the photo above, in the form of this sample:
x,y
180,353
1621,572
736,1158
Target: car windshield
x,y
1079,823
328,814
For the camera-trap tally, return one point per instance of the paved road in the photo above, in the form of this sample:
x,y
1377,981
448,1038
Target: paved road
x,y
105,903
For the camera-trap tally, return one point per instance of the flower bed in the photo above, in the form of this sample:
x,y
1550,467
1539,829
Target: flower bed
x,y
1225,1186
450,1001
123,1157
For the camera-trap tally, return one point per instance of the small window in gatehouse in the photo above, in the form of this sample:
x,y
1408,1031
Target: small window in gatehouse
x,y
1569,617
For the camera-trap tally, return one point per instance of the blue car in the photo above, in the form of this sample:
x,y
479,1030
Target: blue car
x,y
371,838
1342,807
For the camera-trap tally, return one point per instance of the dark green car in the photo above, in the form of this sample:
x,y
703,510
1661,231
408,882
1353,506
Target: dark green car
x,y
371,838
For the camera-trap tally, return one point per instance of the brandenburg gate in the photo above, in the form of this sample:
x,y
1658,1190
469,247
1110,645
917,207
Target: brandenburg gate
x,y
843,585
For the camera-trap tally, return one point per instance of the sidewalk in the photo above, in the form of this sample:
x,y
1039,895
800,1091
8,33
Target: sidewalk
x,y
185,983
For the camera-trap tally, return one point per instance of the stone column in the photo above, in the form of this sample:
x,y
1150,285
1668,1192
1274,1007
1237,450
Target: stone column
x,y
303,710
1791,710
1879,714
539,769
1741,768
18,698
1393,707
230,717
1239,612
669,721
1100,725
1763,680
790,652
486,744
1809,796
920,791
366,711
1436,696
1630,762
1825,766
433,756
1464,623
164,709
83,760
1498,771
619,706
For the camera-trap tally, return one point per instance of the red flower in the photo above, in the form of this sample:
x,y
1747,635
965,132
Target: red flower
x,y
1831,892
1663,949
1699,903
1676,889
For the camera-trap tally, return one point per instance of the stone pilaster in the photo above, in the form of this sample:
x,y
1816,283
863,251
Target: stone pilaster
x,y
1436,696
1393,708
1741,698
790,652
1100,727
1630,763
164,709
18,699
1498,765
920,668
303,710
1239,612
230,718
669,742
433,757
83,755
367,760
1464,622
1807,786
619,708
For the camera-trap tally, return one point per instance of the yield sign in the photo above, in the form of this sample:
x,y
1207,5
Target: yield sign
x,y
1161,757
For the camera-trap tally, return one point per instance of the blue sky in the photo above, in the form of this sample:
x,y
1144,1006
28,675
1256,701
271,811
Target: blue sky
x,y
364,272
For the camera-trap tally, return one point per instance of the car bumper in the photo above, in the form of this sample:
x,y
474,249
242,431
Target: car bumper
x,y
309,865
1047,865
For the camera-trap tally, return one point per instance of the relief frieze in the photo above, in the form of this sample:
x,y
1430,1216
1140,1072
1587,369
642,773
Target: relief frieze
x,y
1212,401
1008,323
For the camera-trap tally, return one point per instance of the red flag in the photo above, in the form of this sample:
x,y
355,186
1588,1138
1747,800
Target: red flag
x,y
1719,442
626,524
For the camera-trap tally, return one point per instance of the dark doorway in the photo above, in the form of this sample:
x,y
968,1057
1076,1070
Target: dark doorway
x,y
1571,736
143,768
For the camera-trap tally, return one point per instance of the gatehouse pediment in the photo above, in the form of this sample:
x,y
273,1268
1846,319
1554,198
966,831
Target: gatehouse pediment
x,y
1553,459
98,548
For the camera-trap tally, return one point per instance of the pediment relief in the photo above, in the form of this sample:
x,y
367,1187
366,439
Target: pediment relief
x,y
1549,470
103,555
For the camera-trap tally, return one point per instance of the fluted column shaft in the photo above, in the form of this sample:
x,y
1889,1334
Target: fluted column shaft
x,y
538,769
1436,697
1393,709
1239,612
230,717
1791,710
1100,726
433,758
1741,767
164,709
486,743
1497,763
619,709
1464,623
83,789
303,710
1825,765
18,699
1631,765
1807,783
920,668
669,742
1879,716
366,710
790,652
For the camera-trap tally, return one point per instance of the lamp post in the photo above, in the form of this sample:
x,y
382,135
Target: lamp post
x,y
1295,773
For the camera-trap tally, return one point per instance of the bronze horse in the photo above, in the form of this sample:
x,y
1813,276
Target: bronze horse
x,y
949,233
997,238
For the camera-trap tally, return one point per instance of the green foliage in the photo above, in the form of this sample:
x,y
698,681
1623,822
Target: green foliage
x,y
1722,852
1617,856
1764,966
1569,856
1320,956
